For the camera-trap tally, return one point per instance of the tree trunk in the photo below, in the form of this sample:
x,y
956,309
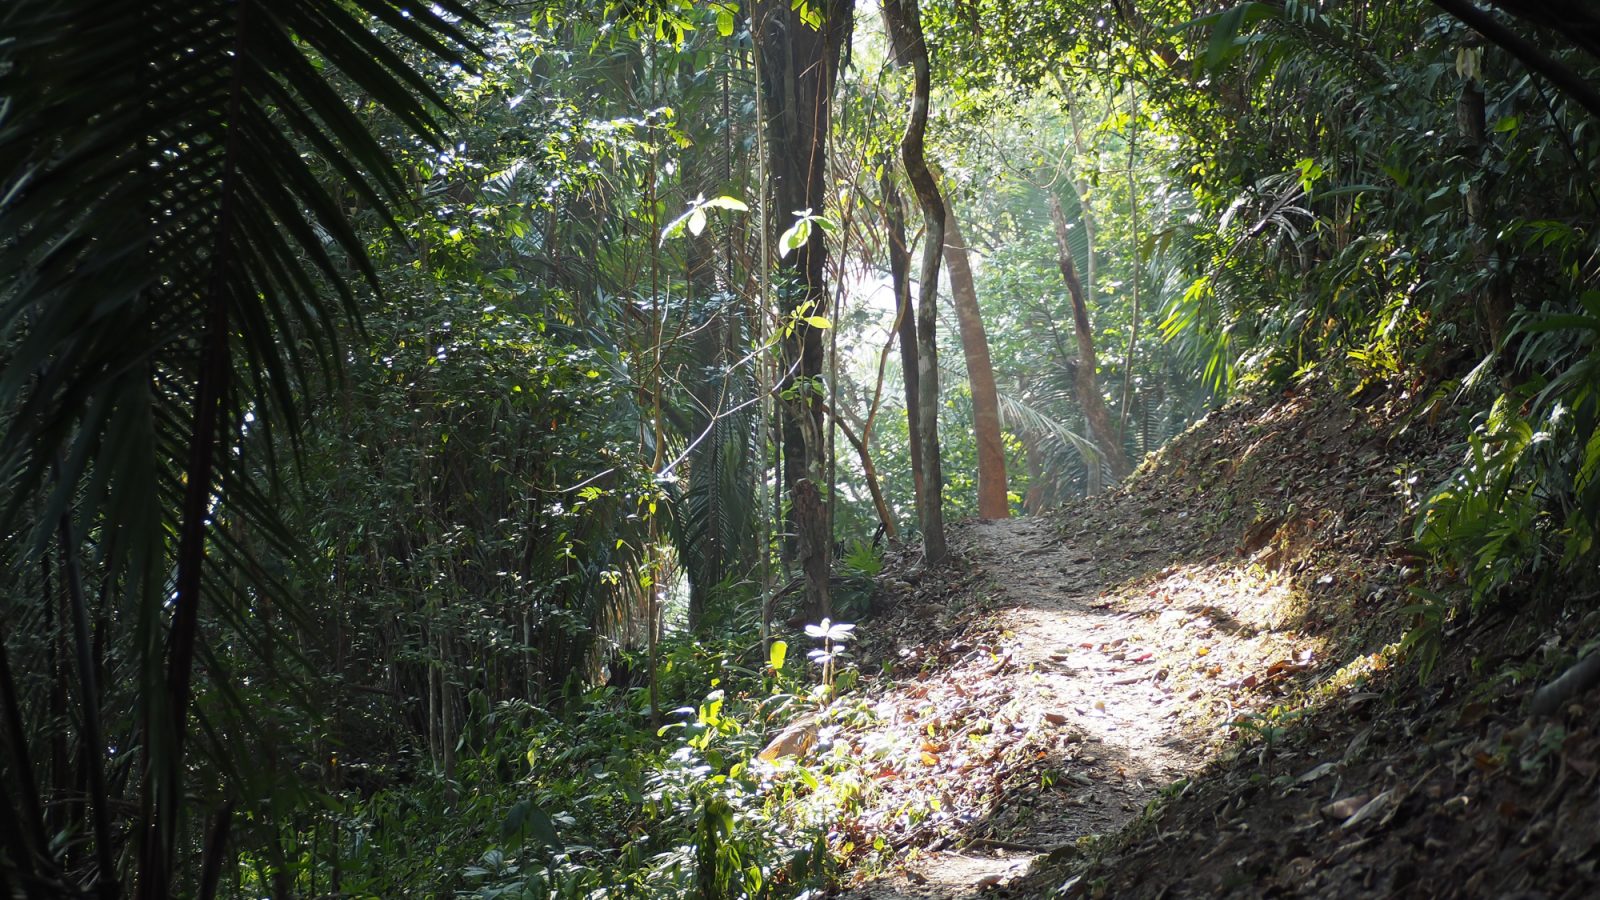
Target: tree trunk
x,y
992,502
869,472
797,65
1033,500
1133,227
905,33
894,217
1091,280
1494,308
1094,406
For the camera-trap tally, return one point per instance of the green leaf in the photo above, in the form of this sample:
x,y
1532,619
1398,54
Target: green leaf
x,y
777,655
697,221
795,237
1225,26
726,202
818,322
676,226
526,820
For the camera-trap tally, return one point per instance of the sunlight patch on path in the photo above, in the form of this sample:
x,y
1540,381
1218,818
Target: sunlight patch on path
x,y
1117,677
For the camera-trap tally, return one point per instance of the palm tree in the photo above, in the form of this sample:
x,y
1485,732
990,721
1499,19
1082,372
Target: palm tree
x,y
174,180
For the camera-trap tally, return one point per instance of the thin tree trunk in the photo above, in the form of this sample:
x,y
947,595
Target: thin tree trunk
x,y
448,728
894,219
216,845
89,698
869,472
1133,215
1094,406
797,65
992,501
167,726
905,30
1494,306
26,841
1091,268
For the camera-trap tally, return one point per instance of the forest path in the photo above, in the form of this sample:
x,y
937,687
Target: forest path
x,y
1062,725
1226,617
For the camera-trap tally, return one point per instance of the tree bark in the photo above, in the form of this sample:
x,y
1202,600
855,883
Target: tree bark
x,y
1094,405
905,34
1494,306
992,502
1133,227
1033,500
894,217
870,473
797,64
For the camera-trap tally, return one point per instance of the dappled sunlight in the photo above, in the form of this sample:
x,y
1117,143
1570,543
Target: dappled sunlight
x,y
1239,583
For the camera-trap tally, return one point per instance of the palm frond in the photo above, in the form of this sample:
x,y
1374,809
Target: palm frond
x,y
171,223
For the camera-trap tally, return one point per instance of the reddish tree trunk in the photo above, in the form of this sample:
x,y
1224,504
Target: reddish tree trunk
x,y
992,502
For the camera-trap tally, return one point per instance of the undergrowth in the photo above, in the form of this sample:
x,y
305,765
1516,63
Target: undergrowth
x,y
593,797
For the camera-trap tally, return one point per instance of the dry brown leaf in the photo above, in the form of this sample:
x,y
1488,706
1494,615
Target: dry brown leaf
x,y
1370,809
1343,809
795,740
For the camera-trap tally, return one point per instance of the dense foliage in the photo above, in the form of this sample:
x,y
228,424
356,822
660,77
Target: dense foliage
x,y
405,408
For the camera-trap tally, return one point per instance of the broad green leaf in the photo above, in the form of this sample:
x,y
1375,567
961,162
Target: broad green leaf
x,y
676,226
778,654
795,237
526,819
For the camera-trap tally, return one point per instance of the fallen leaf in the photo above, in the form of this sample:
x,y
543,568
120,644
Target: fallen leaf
x,y
1315,773
1344,809
795,740
1370,809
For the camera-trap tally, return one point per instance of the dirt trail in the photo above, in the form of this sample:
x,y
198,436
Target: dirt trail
x,y
1073,675
1066,671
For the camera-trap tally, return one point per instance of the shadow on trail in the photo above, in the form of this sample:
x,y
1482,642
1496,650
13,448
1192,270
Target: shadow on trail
x,y
1137,631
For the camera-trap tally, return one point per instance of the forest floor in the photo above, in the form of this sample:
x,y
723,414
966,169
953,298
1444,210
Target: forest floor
x,y
1195,686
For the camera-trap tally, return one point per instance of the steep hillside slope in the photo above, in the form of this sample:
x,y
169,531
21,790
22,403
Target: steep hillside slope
x,y
1196,685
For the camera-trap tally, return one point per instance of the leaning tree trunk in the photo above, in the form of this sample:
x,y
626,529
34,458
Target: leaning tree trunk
x,y
797,64
1094,405
992,502
905,33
